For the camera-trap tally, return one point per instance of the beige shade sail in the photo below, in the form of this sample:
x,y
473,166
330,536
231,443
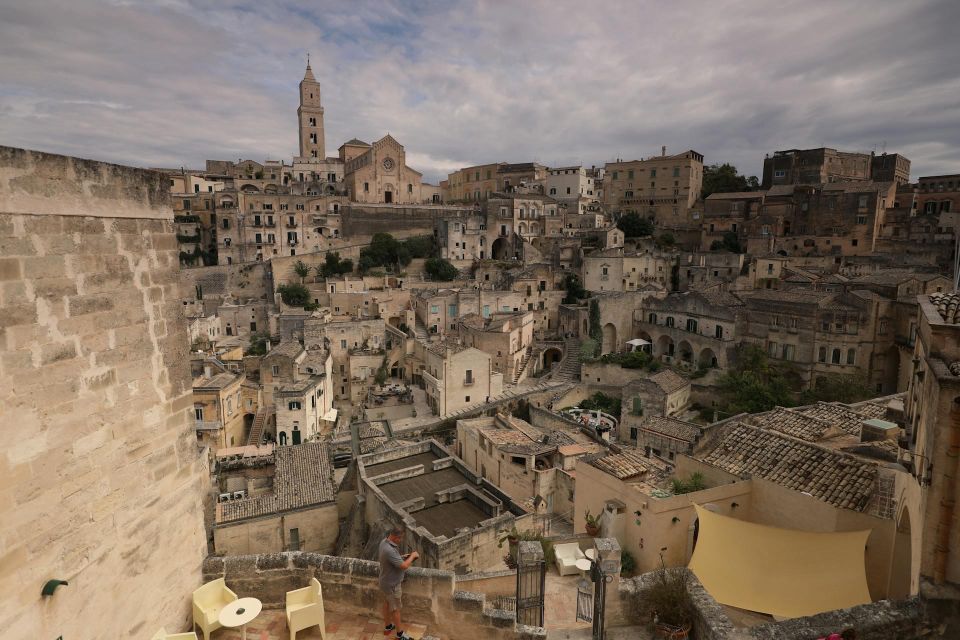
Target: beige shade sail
x,y
781,572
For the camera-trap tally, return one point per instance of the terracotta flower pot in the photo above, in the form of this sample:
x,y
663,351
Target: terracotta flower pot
x,y
592,529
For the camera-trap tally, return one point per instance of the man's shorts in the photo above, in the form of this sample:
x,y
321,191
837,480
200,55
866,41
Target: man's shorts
x,y
393,597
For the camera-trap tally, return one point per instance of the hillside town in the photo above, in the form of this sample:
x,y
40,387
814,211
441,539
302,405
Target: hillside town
x,y
565,384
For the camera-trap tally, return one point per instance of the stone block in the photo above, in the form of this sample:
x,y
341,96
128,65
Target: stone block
x,y
44,267
80,305
17,314
10,269
468,601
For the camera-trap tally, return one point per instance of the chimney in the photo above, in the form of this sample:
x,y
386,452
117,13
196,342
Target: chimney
x,y
663,151
207,371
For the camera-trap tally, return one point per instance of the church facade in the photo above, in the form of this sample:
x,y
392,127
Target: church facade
x,y
378,173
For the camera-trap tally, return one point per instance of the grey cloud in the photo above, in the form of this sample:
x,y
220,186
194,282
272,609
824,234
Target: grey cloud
x,y
174,83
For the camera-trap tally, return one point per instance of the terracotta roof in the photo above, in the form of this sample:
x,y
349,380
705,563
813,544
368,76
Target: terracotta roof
x,y
686,431
219,381
838,415
793,423
441,347
947,305
621,465
669,381
357,142
301,478
836,478
288,348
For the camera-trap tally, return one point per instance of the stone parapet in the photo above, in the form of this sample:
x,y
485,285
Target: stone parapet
x,y
351,585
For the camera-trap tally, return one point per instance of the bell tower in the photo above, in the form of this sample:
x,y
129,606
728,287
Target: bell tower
x,y
310,115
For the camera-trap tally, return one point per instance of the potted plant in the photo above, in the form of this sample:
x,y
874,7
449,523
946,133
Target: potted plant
x,y
512,537
666,600
592,525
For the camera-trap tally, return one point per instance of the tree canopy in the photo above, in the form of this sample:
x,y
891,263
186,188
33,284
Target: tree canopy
x,y
730,242
723,178
836,387
755,383
635,226
574,288
440,269
296,295
386,251
334,266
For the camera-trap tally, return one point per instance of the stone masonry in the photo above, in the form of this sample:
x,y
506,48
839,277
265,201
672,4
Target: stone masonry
x,y
102,476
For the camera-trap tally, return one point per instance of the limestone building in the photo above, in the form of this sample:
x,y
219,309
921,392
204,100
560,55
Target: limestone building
x,y
378,172
273,499
663,188
825,165
103,490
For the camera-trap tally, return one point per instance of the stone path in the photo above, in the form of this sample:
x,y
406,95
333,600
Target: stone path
x,y
272,625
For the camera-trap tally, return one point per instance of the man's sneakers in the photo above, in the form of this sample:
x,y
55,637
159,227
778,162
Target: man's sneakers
x,y
401,635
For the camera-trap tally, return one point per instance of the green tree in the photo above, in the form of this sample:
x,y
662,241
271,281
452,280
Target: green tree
x,y
334,266
730,242
666,241
301,269
294,295
602,402
574,288
755,383
384,251
723,178
258,344
837,387
440,269
421,246
635,226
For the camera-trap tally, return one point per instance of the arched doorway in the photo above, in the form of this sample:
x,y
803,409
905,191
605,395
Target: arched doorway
x,y
665,345
901,573
686,351
551,356
500,249
247,426
609,338
707,359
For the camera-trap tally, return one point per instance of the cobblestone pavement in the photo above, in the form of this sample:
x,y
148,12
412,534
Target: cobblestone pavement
x,y
272,625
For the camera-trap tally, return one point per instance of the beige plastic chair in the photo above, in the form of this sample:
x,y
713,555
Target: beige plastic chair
x,y
207,602
305,609
163,635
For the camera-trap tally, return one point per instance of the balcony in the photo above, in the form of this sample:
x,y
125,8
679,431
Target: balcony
x,y
270,224
208,425
292,225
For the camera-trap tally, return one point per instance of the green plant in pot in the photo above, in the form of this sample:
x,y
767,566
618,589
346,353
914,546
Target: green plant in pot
x,y
512,537
592,525
665,599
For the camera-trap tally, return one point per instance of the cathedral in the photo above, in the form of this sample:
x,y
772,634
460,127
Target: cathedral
x,y
372,173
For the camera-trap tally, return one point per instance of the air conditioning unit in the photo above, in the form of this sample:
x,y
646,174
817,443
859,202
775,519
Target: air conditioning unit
x,y
224,497
239,495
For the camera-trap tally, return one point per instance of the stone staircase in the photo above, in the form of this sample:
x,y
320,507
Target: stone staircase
x,y
519,371
570,366
420,331
256,429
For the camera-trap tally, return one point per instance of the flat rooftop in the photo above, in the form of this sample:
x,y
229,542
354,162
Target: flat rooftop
x,y
439,518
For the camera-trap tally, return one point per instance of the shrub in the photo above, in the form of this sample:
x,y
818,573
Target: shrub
x,y
295,295
693,483
667,597
440,269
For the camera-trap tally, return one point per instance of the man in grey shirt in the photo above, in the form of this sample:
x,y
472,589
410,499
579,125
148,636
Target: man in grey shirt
x,y
392,568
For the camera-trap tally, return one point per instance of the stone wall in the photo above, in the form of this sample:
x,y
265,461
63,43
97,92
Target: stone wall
x,y
102,477
882,620
350,586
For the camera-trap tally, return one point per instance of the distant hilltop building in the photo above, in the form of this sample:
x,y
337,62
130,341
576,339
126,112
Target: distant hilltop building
x,y
824,165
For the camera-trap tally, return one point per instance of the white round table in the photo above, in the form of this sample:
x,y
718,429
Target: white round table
x,y
584,565
590,553
238,613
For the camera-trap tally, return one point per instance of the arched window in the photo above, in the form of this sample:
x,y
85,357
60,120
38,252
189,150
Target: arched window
x,y
822,355
283,437
851,356
652,318
669,322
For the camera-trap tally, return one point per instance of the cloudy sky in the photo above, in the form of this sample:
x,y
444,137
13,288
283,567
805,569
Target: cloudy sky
x,y
173,82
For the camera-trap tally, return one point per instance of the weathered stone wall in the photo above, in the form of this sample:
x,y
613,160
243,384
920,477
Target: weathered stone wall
x,y
102,478
351,586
